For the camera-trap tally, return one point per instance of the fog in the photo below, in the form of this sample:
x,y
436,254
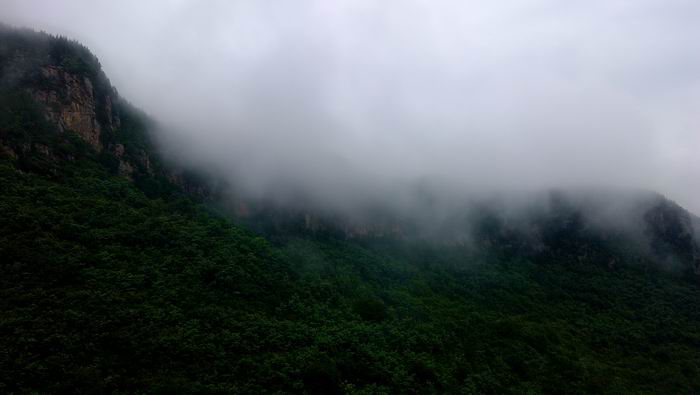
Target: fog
x,y
349,100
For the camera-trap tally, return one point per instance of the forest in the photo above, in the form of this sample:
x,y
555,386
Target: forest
x,y
114,284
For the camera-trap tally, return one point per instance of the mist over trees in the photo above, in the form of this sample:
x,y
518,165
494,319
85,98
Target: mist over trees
x,y
344,100
324,208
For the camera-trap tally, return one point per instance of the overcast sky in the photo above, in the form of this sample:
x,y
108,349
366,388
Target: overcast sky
x,y
347,95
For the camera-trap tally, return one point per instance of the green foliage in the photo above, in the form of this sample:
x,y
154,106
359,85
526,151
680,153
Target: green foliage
x,y
113,286
21,120
370,309
106,289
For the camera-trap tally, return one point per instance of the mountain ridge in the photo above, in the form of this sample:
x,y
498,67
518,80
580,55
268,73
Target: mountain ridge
x,y
67,83
116,280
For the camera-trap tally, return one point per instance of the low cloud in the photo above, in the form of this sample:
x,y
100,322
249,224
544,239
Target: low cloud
x,y
346,100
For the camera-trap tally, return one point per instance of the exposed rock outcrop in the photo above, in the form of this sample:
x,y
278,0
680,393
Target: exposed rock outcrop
x,y
71,103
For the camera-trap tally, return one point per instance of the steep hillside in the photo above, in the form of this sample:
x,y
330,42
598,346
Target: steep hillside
x,y
61,80
114,279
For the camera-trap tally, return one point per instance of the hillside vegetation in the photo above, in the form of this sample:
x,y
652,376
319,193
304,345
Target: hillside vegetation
x,y
115,281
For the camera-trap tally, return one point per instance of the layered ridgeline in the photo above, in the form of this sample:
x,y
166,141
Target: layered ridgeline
x,y
113,278
643,224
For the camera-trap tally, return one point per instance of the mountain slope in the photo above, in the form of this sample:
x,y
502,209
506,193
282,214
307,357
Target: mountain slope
x,y
113,279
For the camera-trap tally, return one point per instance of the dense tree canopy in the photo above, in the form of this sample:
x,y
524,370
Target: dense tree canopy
x,y
109,285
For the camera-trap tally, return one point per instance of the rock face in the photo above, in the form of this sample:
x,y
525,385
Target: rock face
x,y
71,104
57,80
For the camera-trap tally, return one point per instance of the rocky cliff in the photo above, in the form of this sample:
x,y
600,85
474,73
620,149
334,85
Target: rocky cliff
x,y
63,80
69,101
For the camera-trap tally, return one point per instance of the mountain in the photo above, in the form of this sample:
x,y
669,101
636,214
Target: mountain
x,y
82,113
121,272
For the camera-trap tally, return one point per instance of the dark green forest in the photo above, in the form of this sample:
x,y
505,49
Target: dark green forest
x,y
111,284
